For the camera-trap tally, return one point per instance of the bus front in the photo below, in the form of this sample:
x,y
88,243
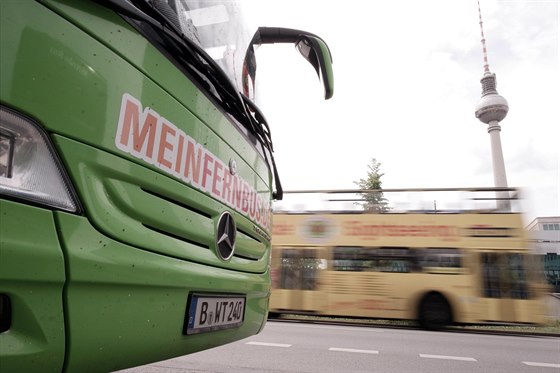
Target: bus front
x,y
136,178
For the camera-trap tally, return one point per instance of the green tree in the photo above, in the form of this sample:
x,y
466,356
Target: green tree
x,y
373,201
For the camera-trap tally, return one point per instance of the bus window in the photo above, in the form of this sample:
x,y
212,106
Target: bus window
x,y
491,275
385,259
440,258
354,259
299,269
504,276
517,276
393,259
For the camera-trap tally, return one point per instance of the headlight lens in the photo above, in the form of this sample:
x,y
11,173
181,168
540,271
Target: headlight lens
x,y
29,167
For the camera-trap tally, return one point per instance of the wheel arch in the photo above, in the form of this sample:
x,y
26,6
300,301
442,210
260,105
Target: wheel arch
x,y
430,297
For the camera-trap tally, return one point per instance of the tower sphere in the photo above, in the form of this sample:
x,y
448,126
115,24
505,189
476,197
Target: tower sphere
x,y
491,107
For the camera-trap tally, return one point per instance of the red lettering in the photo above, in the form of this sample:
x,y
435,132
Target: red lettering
x,y
192,162
226,187
354,228
206,171
179,157
130,121
218,168
164,144
258,208
282,229
350,228
129,118
252,203
236,193
245,196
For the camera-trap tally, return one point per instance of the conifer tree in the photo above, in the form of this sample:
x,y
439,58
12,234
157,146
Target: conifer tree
x,y
373,201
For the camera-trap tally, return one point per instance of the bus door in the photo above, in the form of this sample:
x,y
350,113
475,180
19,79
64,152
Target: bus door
x,y
505,287
296,277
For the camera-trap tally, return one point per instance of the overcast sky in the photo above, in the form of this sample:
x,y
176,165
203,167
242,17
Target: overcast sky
x,y
407,79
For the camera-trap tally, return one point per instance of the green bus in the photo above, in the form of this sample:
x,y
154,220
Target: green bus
x,y
136,180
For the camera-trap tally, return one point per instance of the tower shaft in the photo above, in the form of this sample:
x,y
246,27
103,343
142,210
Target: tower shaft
x,y
498,164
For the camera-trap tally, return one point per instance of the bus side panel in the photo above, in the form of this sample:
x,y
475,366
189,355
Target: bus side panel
x,y
127,306
32,276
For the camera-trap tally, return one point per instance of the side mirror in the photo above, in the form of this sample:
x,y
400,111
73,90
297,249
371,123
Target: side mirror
x,y
311,47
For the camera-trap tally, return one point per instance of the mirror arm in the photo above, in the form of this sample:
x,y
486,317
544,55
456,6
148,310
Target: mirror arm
x,y
272,35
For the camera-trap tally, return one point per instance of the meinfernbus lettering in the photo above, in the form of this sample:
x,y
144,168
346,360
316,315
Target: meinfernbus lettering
x,y
146,135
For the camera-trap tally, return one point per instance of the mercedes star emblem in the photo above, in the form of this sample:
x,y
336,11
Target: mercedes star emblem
x,y
225,236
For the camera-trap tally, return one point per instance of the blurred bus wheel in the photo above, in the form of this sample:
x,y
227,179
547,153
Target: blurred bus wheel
x,y
434,312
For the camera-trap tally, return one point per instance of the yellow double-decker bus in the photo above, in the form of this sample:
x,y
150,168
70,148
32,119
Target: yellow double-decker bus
x,y
438,266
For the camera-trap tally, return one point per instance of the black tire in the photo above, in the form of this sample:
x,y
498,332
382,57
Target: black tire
x,y
434,312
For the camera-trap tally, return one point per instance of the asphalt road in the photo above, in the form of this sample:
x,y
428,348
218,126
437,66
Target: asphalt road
x,y
307,348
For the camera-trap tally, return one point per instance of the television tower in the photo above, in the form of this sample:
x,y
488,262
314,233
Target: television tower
x,y
492,109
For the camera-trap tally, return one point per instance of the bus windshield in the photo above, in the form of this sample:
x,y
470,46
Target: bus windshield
x,y
218,27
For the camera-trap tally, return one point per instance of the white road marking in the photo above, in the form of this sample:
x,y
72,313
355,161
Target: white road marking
x,y
269,344
353,350
445,357
546,365
333,327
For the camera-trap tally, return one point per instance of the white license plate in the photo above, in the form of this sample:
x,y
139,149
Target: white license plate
x,y
214,312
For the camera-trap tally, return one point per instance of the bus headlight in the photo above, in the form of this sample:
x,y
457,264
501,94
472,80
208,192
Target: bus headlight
x,y
29,167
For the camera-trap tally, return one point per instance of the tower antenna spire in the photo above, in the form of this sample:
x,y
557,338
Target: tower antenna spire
x,y
483,40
